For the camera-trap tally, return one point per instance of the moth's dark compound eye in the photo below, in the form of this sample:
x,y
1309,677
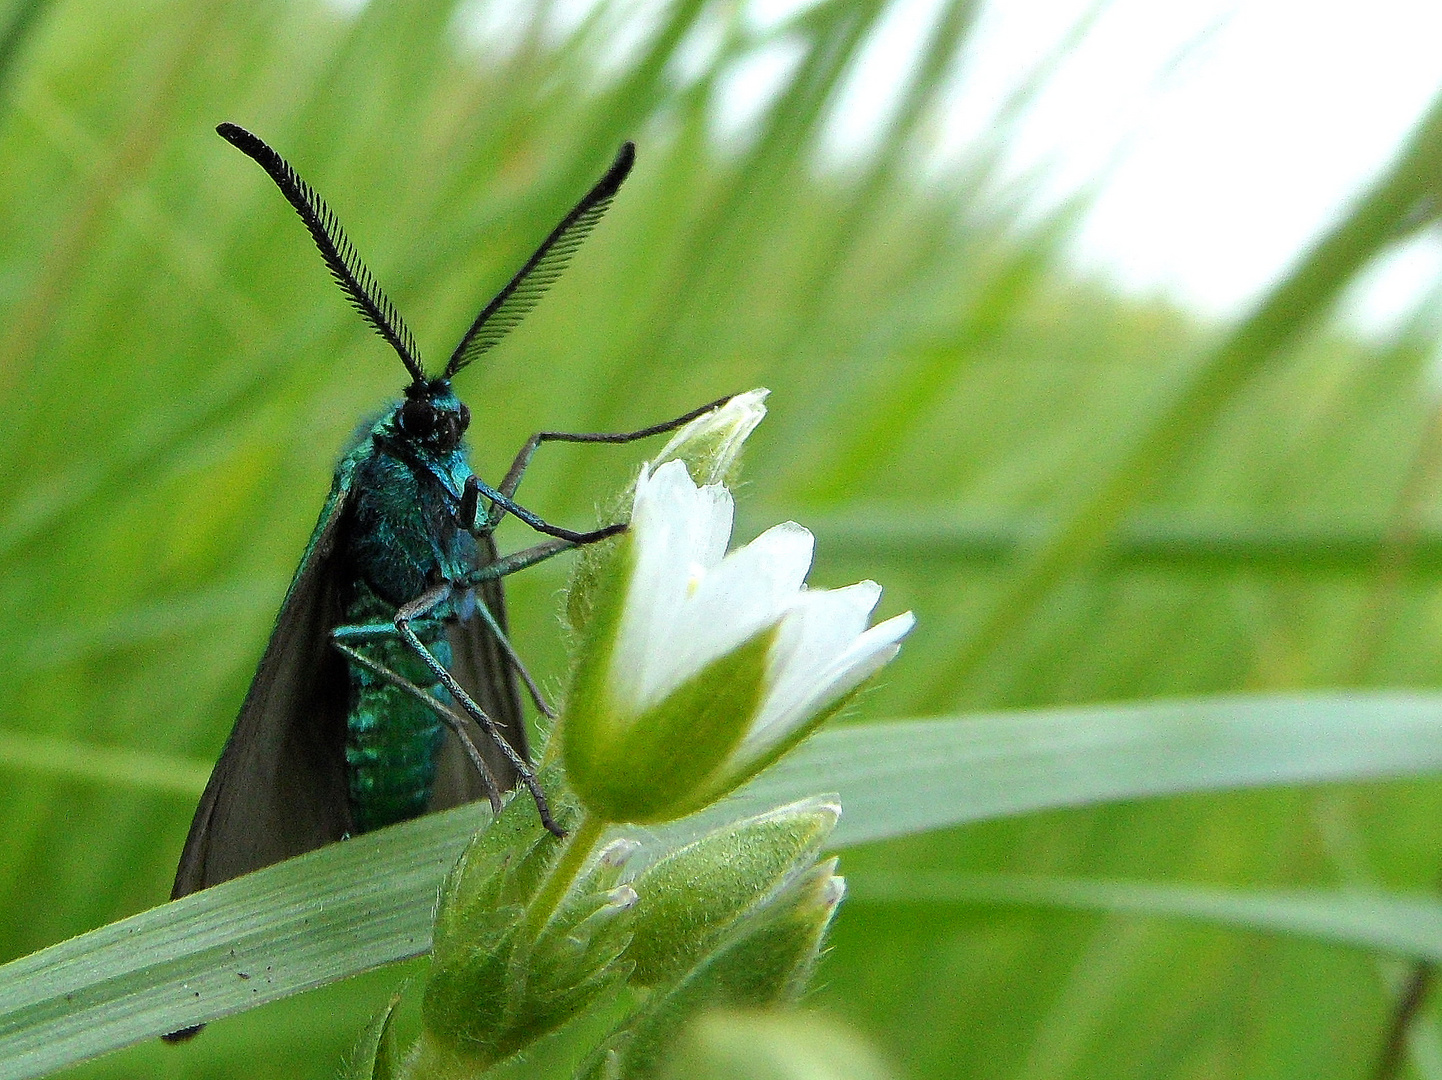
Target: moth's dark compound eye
x,y
436,428
418,419
450,426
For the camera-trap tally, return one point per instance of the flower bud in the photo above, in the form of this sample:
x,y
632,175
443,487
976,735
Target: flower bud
x,y
765,960
723,1044
497,984
711,444
692,896
498,873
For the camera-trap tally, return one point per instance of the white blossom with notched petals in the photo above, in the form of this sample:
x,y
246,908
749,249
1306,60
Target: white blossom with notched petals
x,y
688,605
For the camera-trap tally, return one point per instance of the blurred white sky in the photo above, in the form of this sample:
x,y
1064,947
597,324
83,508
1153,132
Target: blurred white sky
x,y
1229,132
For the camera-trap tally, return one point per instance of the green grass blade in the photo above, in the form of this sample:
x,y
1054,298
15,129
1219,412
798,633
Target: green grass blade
x,y
1144,542
1405,925
907,777
1131,469
353,906
20,22
336,912
138,770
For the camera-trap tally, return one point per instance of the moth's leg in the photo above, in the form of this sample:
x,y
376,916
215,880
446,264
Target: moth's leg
x,y
516,560
501,498
494,571
473,521
429,601
514,657
518,467
448,716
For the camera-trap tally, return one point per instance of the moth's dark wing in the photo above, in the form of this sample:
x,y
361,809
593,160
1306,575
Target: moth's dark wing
x,y
482,669
279,788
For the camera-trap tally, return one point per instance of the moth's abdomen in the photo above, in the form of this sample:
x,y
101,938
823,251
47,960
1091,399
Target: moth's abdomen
x,y
393,740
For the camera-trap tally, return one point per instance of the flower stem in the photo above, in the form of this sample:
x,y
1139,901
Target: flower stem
x,y
579,845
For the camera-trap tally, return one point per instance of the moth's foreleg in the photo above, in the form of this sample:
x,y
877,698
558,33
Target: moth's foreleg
x,y
471,518
424,604
515,561
448,716
501,497
512,479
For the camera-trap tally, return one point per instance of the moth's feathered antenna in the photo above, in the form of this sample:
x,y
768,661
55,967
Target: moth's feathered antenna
x,y
335,247
531,282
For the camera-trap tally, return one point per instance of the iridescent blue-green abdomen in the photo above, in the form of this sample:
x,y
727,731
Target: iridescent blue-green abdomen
x,y
393,741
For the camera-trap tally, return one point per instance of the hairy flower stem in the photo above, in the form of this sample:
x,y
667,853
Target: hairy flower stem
x,y
579,846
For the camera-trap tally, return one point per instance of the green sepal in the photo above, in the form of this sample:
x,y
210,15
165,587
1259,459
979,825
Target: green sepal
x,y
467,1002
508,998
494,988
599,575
376,1055
689,899
744,769
595,564
586,693
500,869
470,992
577,956
765,961
657,766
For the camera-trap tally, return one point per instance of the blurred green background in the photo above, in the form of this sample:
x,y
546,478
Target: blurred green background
x,y
1084,498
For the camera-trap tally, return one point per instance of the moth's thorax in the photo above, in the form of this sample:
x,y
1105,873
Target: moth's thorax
x,y
405,534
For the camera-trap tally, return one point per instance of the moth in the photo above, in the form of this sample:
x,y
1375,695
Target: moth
x,y
389,687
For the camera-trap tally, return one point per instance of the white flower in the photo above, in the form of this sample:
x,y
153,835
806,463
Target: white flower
x,y
689,603
730,657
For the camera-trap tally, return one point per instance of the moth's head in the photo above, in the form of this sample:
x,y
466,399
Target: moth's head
x,y
432,416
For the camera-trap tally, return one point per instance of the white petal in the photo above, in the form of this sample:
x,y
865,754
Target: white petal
x,y
688,604
821,628
817,674
676,527
712,538
817,631
751,589
754,586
